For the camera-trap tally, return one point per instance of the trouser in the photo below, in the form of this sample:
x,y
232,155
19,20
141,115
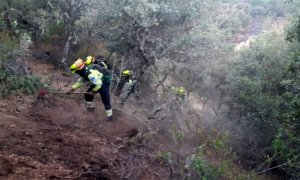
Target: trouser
x,y
120,85
104,93
180,97
128,90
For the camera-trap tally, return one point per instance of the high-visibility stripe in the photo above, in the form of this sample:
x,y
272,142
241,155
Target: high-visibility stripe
x,y
96,78
89,104
109,113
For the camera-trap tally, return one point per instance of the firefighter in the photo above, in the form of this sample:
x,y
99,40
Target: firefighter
x,y
126,79
98,60
180,92
94,76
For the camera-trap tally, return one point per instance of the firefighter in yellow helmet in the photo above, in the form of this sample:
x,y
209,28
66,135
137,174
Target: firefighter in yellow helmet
x,y
98,60
93,75
126,78
179,91
89,60
127,74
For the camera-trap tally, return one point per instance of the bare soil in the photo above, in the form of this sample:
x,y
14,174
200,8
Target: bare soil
x,y
56,138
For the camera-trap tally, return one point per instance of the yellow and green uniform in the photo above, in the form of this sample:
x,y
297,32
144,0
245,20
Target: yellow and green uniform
x,y
125,79
95,79
179,91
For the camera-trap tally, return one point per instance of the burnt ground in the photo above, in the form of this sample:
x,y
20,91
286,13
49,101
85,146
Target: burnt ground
x,y
56,138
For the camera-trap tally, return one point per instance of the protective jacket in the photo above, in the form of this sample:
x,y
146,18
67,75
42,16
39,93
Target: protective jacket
x,y
94,75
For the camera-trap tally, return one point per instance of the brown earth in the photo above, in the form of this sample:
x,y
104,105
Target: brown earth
x,y
56,138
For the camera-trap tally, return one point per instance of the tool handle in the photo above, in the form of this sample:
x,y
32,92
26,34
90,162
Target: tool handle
x,y
67,93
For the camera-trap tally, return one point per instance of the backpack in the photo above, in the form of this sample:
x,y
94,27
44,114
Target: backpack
x,y
106,73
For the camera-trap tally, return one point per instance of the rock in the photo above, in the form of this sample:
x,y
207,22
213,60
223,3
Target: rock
x,y
12,125
28,134
5,167
20,108
118,140
3,104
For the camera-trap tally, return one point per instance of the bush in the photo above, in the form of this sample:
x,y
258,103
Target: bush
x,y
265,7
10,83
205,170
266,87
56,32
258,11
15,85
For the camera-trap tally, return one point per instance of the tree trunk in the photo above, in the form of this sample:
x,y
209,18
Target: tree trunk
x,y
66,51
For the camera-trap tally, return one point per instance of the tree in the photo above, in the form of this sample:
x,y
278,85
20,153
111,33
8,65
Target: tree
x,y
265,84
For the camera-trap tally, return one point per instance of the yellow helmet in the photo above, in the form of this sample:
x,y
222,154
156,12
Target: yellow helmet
x,y
126,72
89,60
180,90
77,65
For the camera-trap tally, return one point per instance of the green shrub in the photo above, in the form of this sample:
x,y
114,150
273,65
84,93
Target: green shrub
x,y
10,83
266,87
205,170
268,7
258,11
13,85
55,32
165,156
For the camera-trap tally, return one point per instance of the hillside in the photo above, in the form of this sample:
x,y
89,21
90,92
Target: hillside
x,y
55,137
199,89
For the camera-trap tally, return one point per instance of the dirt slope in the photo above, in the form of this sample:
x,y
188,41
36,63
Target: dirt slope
x,y
57,138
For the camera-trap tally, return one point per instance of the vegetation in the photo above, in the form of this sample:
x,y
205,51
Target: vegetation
x,y
12,79
267,7
183,42
265,83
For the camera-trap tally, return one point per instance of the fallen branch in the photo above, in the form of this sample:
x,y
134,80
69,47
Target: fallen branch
x,y
289,161
70,177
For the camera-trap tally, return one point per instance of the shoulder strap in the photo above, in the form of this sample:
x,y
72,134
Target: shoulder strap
x,y
100,69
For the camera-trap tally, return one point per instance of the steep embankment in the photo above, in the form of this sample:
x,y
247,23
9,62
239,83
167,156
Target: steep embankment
x,y
55,137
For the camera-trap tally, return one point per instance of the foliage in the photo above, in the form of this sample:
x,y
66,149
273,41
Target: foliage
x,y
56,31
213,158
12,83
294,8
233,17
256,77
165,156
266,84
157,31
19,85
267,7
205,170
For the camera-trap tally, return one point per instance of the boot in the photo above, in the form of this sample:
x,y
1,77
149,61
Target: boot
x,y
90,107
109,115
109,118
